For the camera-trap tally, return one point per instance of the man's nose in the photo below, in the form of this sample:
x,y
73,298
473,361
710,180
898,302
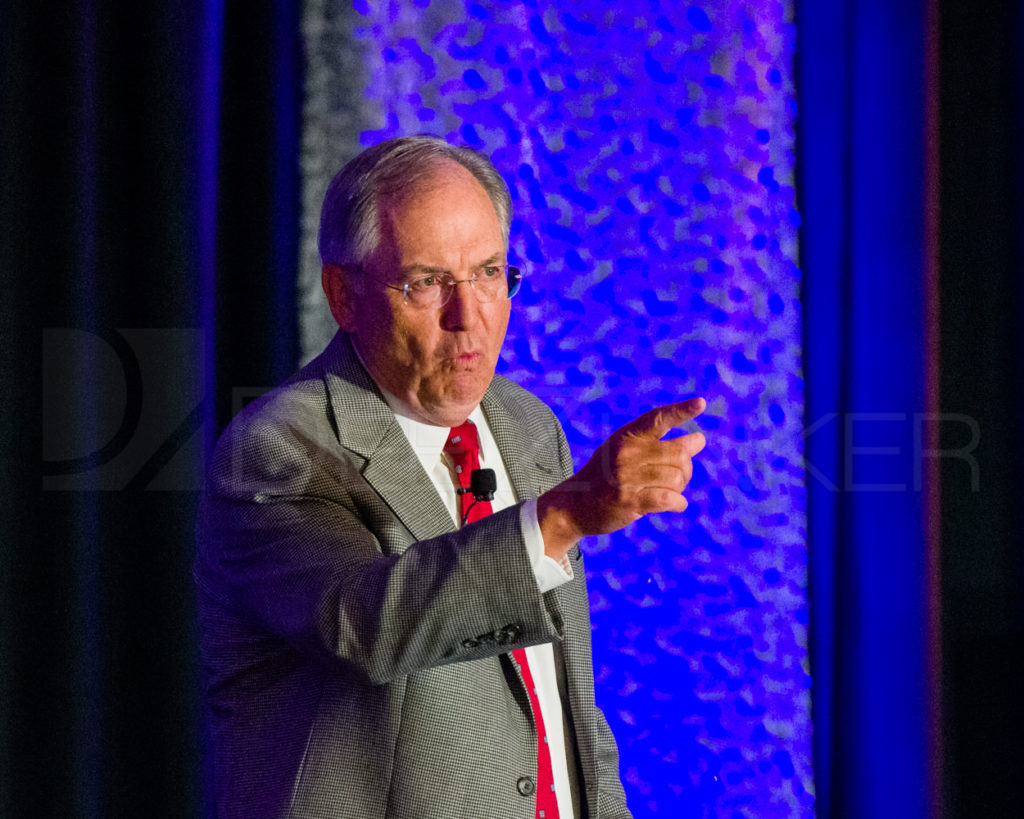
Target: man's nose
x,y
462,310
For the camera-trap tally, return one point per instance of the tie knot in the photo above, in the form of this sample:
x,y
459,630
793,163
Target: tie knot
x,y
463,446
462,439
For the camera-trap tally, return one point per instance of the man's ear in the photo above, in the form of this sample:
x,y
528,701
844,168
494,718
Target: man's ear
x,y
338,288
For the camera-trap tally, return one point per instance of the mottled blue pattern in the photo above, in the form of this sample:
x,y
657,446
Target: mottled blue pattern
x,y
649,150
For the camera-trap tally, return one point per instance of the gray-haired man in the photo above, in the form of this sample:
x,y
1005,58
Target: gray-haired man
x,y
365,654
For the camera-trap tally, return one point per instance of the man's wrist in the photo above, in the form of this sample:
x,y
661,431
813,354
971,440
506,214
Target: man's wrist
x,y
557,524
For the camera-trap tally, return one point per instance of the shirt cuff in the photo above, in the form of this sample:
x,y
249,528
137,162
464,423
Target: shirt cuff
x,y
550,573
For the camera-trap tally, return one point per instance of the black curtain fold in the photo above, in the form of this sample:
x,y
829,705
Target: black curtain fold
x,y
982,388
148,274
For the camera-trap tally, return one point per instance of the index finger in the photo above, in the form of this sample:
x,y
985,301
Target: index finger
x,y
660,420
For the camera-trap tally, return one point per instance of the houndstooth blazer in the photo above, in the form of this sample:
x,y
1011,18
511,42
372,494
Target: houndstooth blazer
x,y
354,643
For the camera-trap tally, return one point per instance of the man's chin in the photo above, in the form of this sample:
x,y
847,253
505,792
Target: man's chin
x,y
453,406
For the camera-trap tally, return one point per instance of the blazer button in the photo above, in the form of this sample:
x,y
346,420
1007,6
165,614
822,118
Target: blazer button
x,y
526,786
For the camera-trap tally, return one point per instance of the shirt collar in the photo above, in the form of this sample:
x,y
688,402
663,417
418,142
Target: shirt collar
x,y
427,440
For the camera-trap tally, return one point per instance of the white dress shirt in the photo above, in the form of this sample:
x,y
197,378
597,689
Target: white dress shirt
x,y
428,442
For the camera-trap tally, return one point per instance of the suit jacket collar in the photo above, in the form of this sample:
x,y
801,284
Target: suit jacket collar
x,y
525,465
366,426
358,413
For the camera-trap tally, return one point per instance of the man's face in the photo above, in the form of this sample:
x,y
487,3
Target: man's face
x,y
438,361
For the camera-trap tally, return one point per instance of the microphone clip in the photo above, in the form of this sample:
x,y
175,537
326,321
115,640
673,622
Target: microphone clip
x,y
483,483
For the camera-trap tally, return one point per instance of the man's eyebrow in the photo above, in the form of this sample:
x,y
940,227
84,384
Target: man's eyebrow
x,y
421,268
417,267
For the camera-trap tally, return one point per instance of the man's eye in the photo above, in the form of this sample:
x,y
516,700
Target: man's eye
x,y
425,283
490,272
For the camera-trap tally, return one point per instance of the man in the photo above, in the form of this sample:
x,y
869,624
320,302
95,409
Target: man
x,y
367,656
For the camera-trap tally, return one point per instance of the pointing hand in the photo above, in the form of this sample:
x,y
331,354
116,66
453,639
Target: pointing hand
x,y
632,474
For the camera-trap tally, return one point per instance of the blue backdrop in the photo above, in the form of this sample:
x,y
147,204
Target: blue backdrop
x,y
649,151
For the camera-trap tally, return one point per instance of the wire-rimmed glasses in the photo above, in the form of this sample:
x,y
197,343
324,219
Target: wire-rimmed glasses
x,y
489,283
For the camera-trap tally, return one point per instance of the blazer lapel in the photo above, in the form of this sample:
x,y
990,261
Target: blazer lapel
x,y
531,468
394,471
366,426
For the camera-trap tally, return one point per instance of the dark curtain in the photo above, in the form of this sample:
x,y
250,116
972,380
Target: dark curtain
x,y
982,379
149,194
909,157
863,166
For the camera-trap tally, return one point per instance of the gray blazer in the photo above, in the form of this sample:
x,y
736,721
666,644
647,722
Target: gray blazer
x,y
354,643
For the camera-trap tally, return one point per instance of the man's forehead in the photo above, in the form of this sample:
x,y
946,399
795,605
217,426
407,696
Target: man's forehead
x,y
440,175
447,211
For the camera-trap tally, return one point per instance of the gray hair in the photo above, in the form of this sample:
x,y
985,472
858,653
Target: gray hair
x,y
349,227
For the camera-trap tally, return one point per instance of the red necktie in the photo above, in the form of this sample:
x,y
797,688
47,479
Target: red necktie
x,y
463,446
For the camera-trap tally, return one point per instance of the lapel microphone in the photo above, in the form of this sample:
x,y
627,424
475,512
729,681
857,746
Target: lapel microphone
x,y
482,483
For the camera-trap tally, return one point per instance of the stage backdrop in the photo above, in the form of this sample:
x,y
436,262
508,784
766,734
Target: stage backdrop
x,y
649,150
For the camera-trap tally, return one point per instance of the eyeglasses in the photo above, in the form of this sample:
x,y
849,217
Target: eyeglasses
x,y
490,283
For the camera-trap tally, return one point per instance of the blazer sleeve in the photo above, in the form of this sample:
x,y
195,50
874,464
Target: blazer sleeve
x,y
291,543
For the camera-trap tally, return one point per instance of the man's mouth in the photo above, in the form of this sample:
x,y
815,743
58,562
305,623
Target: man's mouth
x,y
465,358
